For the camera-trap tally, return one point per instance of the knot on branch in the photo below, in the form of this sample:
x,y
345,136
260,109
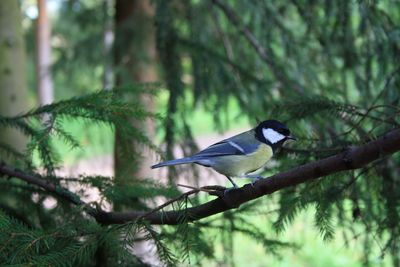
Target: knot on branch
x,y
347,159
232,197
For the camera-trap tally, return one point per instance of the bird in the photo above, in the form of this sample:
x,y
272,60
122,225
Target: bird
x,y
243,155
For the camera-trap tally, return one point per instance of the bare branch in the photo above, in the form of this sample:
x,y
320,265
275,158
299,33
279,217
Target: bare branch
x,y
212,190
352,158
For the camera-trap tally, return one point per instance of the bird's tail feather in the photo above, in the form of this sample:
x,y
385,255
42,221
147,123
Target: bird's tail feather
x,y
174,162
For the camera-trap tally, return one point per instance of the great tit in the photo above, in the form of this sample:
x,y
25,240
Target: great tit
x,y
241,155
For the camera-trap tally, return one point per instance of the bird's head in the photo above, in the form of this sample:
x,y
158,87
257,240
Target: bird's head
x,y
273,132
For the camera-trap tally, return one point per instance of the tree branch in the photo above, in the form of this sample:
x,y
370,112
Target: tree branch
x,y
35,179
261,51
234,19
352,158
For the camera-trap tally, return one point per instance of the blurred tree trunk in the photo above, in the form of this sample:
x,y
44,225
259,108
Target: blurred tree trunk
x,y
43,56
13,87
135,62
108,40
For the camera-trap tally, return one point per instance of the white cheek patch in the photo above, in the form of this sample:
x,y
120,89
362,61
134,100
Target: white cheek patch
x,y
272,135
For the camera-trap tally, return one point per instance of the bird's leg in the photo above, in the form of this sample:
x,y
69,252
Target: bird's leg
x,y
234,184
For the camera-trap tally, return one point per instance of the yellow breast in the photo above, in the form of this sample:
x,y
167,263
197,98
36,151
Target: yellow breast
x,y
240,165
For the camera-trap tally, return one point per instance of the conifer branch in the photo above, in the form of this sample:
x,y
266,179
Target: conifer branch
x,y
9,172
255,43
49,186
234,19
351,158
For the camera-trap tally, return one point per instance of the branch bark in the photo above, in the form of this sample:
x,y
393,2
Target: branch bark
x,y
351,158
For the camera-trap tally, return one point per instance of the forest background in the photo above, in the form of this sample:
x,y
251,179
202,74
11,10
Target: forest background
x,y
134,82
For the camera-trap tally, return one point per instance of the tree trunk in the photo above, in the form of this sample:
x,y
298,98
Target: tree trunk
x,y
108,40
135,60
43,56
13,87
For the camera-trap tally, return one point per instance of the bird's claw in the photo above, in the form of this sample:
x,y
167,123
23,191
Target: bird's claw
x,y
255,179
230,189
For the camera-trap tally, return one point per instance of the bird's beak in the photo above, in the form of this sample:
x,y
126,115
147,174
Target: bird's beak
x,y
291,137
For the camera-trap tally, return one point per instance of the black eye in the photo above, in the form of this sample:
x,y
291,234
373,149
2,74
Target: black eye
x,y
284,131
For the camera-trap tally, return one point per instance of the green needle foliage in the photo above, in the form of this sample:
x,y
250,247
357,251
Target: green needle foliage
x,y
34,235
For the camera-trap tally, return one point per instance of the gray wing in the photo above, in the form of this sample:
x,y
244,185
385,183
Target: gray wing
x,y
238,145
